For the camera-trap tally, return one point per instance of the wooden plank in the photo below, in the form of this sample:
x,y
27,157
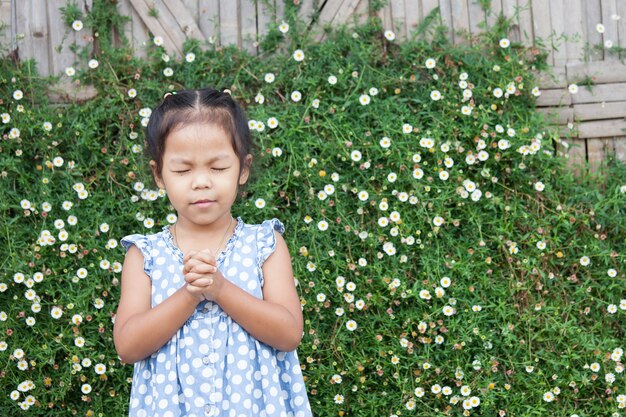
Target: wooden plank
x,y
397,19
554,97
476,16
509,10
135,31
169,23
61,57
384,14
619,145
609,9
445,11
602,128
229,23
154,26
541,25
526,22
191,7
600,93
460,21
621,27
598,152
82,38
248,26
413,16
555,78
266,17
598,111
557,115
557,23
361,13
592,11
494,12
346,10
573,21
185,20
306,11
5,22
38,34
600,72
209,19
576,154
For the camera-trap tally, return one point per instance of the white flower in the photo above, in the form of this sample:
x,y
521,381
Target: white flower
x,y
364,99
600,28
86,389
504,43
6,118
283,27
497,92
190,57
373,91
355,156
100,368
536,92
407,128
70,71
351,325
390,35
466,110
259,203
611,272
332,80
269,78
322,225
93,63
435,95
77,25
548,397
584,261
315,103
438,221
158,40
17,95
168,72
298,55
430,63
573,88
296,96
608,44
277,152
132,93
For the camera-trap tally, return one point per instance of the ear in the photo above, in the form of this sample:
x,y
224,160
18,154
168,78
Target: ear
x,y
245,171
156,174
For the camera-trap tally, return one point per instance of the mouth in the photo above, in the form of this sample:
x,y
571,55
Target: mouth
x,y
203,203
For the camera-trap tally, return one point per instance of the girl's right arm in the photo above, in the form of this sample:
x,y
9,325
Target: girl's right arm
x,y
139,329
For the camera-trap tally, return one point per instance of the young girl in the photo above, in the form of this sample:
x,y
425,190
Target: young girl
x,y
208,312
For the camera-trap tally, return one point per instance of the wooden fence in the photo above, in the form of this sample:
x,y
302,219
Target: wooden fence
x,y
584,51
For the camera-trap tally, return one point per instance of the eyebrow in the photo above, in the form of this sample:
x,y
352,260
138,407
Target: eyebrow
x,y
182,160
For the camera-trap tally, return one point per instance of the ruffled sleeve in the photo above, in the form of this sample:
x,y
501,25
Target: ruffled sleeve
x,y
266,239
143,244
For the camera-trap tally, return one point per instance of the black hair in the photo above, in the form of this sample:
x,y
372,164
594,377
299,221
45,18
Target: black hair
x,y
205,105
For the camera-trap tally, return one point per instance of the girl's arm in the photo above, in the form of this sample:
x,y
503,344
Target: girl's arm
x,y
139,329
275,320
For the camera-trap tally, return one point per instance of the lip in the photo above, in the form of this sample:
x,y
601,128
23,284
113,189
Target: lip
x,y
203,203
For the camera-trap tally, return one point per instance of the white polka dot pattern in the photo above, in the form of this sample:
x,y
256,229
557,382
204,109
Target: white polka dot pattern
x,y
212,366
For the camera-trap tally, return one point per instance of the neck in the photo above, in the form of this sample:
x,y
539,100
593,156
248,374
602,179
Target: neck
x,y
196,240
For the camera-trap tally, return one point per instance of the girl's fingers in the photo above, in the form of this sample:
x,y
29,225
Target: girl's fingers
x,y
198,280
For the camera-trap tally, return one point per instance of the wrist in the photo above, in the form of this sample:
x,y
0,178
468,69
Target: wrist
x,y
192,297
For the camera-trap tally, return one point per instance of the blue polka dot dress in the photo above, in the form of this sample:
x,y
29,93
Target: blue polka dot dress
x,y
212,366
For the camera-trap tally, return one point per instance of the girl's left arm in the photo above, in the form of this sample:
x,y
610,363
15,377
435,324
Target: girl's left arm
x,y
275,320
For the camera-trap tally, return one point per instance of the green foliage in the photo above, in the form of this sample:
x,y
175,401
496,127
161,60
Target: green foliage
x,y
421,295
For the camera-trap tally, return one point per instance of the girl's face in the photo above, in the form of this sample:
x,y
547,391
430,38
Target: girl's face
x,y
201,173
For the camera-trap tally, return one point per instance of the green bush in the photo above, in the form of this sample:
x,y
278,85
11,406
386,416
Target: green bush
x,y
421,295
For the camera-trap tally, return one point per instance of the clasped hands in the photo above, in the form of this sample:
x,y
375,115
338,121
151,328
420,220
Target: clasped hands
x,y
203,279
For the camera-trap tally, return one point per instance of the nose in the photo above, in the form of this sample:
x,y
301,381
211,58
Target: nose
x,y
202,180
